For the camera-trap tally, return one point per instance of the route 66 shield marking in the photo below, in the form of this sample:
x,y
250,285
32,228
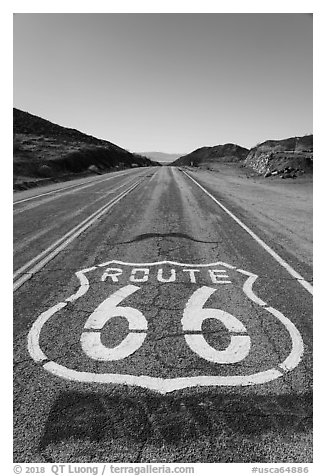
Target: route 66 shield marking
x,y
165,326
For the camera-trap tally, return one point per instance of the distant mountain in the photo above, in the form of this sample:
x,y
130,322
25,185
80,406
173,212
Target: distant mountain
x,y
217,153
161,156
43,149
294,155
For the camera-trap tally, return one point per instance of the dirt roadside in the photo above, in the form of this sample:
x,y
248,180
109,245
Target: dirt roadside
x,y
282,209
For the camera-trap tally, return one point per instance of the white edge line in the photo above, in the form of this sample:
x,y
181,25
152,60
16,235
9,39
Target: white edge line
x,y
154,174
71,190
264,245
88,183
69,238
73,230
56,243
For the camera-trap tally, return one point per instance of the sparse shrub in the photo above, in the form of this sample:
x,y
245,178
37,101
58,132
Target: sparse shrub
x,y
45,171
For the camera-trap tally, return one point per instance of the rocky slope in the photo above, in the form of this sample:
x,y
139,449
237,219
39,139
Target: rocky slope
x,y
46,150
288,157
217,153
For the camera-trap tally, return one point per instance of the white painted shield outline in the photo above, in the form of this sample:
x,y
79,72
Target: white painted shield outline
x,y
159,384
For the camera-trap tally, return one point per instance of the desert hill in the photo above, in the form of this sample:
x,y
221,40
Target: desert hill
x,y
303,143
43,149
217,153
289,157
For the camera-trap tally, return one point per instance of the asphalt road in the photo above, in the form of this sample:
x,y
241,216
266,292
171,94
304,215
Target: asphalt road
x,y
151,326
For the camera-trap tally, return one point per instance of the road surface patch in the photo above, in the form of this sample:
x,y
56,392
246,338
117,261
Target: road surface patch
x,y
264,245
25,272
77,187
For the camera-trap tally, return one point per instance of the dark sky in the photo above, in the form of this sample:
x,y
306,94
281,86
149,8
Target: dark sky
x,y
167,82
